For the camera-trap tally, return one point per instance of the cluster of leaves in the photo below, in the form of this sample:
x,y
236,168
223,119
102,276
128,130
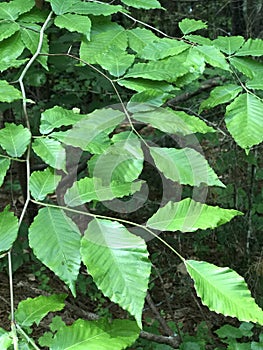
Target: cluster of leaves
x,y
155,69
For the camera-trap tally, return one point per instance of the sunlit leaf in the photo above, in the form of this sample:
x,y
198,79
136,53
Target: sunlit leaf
x,y
228,44
42,183
186,166
7,29
93,8
139,38
252,47
96,335
51,151
118,262
61,7
10,49
224,291
4,166
88,189
55,240
143,4
74,23
8,229
8,93
220,95
244,120
256,83
188,216
213,56
14,139
249,67
32,310
163,48
191,25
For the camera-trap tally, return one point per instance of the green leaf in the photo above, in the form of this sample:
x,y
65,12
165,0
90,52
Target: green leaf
x,y
163,48
118,262
247,66
7,29
220,95
14,139
42,183
141,85
12,9
103,42
173,122
121,162
8,229
191,25
158,70
224,291
228,44
61,7
212,56
74,23
244,120
8,93
252,47
198,39
189,216
10,49
116,61
34,309
4,166
255,83
96,9
186,166
55,240
143,4
56,117
147,100
34,16
88,189
5,339
87,129
30,38
95,335
51,151
139,38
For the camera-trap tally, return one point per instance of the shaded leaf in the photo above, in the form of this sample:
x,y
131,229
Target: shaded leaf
x,y
4,166
147,100
74,23
244,120
43,182
186,166
32,310
56,117
191,25
55,240
93,335
224,291
14,139
51,152
8,93
228,44
143,4
173,122
118,262
88,189
188,216
220,95
8,229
